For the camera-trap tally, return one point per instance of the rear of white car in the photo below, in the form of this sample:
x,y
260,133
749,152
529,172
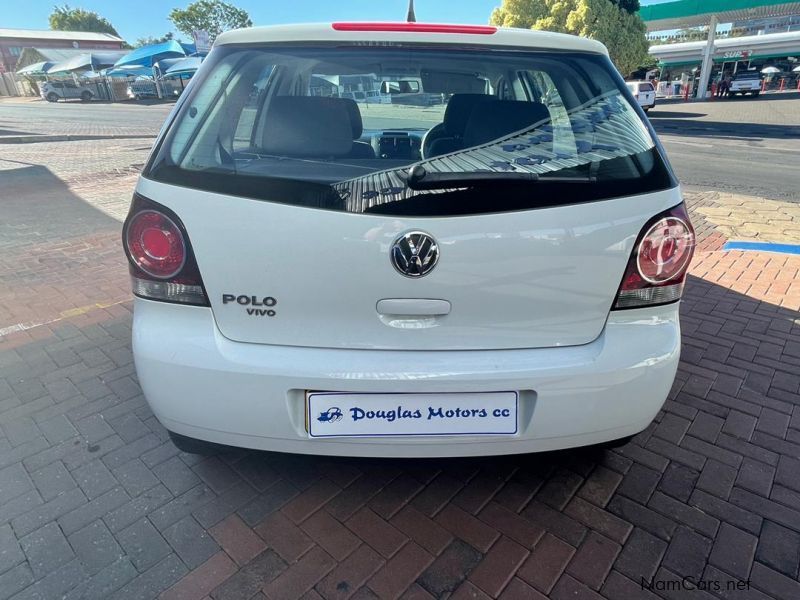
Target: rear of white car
x,y
499,273
644,92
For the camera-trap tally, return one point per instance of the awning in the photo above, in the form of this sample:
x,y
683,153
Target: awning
x,y
39,68
147,55
89,61
184,65
694,13
129,71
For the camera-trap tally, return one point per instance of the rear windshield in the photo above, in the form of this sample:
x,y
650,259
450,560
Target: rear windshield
x,y
408,130
748,75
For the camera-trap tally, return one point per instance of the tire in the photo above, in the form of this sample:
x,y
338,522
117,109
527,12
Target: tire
x,y
193,446
755,94
86,96
52,97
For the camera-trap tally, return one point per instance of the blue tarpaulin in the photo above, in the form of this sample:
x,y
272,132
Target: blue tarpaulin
x,y
184,65
147,55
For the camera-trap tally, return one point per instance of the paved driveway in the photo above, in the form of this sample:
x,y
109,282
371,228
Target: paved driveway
x,y
95,502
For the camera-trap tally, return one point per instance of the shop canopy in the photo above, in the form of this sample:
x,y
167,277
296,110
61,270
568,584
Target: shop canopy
x,y
680,14
149,55
88,61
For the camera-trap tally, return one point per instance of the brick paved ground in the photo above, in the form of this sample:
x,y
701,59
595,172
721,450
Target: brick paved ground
x,y
95,502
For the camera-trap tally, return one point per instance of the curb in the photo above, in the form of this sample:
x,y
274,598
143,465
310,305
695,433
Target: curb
x,y
32,139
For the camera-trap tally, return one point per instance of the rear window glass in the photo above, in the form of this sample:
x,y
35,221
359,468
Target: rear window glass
x,y
645,87
409,130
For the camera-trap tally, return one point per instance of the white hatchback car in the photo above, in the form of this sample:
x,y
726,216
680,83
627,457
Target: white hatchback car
x,y
496,274
53,91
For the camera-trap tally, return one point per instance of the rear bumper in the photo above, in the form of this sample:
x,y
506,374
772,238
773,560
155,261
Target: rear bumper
x,y
202,385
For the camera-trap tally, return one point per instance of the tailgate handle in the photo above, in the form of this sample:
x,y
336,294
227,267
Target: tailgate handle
x,y
417,307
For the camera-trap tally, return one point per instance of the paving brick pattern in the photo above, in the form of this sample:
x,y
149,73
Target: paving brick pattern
x,y
95,502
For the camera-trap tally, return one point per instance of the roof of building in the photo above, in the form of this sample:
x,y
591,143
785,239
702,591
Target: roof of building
x,y
693,13
47,34
411,32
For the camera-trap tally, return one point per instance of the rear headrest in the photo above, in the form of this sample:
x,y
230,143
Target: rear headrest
x,y
355,116
458,110
307,126
499,118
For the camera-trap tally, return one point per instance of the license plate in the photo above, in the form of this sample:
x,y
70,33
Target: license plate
x,y
336,414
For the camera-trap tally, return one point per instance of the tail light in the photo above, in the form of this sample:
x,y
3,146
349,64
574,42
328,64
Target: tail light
x,y
656,270
160,257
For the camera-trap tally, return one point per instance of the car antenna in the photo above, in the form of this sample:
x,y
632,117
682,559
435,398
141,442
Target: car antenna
x,y
411,17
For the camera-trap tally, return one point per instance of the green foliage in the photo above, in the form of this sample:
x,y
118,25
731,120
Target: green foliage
x,y
213,16
622,32
150,40
64,18
630,6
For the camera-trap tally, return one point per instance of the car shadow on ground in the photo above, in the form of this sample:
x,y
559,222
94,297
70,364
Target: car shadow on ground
x,y
656,113
674,126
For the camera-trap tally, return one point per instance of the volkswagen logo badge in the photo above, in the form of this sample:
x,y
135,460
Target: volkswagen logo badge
x,y
414,254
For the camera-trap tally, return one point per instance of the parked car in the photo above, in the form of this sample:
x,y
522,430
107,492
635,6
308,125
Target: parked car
x,y
314,276
746,82
142,87
644,92
53,91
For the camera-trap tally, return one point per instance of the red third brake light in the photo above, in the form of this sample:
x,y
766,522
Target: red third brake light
x,y
417,28
657,267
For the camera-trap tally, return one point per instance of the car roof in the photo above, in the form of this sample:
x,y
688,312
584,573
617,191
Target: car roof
x,y
429,33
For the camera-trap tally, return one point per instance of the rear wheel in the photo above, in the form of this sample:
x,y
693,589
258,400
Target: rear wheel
x,y
755,94
86,96
52,97
193,446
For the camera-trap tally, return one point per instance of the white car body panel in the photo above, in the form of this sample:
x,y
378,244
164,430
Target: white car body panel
x,y
202,385
324,32
528,279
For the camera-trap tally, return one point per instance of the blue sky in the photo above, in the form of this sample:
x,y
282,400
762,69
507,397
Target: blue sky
x,y
139,18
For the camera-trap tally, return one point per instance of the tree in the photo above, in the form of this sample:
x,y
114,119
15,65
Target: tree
x,y
150,40
213,16
623,33
64,18
629,6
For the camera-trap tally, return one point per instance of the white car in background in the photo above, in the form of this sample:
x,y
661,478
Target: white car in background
x,y
498,275
53,91
644,92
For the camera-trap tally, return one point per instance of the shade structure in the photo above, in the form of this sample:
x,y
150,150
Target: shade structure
x,y
796,69
770,70
148,55
129,71
185,65
678,14
88,61
39,68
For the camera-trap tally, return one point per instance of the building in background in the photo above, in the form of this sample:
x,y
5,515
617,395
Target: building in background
x,y
14,41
